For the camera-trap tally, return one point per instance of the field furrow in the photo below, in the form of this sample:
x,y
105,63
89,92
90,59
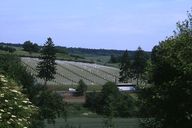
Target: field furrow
x,y
69,73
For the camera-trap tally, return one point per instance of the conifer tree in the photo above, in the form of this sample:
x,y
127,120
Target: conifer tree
x,y
47,66
125,68
139,63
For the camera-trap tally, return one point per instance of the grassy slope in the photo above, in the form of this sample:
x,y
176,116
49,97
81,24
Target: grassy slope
x,y
75,54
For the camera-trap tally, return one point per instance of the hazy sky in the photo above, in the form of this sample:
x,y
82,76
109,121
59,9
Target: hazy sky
x,y
109,24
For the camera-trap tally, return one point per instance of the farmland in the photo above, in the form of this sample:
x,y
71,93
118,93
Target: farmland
x,y
69,73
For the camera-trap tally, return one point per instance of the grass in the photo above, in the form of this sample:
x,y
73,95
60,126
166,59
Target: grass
x,y
90,88
87,122
98,59
79,116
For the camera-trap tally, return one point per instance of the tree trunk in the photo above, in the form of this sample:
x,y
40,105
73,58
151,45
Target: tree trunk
x,y
45,82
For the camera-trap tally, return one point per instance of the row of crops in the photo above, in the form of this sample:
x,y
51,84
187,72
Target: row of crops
x,y
69,73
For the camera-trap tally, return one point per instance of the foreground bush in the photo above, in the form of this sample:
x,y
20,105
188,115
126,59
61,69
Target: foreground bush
x,y
16,110
50,105
168,99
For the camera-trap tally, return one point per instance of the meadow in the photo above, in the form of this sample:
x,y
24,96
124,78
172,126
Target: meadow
x,y
87,122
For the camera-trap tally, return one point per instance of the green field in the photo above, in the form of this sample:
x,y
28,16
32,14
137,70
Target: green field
x,y
86,122
81,116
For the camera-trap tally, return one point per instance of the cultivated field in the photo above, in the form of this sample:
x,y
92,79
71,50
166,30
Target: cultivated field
x,y
69,73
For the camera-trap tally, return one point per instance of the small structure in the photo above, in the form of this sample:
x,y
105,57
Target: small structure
x,y
72,91
126,87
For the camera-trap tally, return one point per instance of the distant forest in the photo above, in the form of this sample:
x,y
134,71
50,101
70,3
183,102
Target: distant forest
x,y
85,51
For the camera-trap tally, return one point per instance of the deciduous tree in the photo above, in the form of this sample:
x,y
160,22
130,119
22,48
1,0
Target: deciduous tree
x,y
139,63
30,47
82,88
168,101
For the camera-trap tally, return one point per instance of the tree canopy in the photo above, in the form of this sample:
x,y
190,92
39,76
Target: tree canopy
x,y
30,47
81,88
168,100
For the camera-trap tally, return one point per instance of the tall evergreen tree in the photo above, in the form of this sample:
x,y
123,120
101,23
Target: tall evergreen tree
x,y
125,68
139,63
47,66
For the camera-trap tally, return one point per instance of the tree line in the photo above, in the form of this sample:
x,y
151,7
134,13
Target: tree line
x,y
7,48
133,69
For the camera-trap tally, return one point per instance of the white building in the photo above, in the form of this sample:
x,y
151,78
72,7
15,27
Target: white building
x,y
129,87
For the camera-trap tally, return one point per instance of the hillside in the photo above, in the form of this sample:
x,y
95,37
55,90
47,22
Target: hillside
x,y
69,73
99,56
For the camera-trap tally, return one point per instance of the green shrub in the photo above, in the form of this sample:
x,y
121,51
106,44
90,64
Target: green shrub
x,y
81,88
111,102
15,108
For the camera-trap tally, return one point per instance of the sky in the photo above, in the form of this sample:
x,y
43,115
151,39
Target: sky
x,y
99,24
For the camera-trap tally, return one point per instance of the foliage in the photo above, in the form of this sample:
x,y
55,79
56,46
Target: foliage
x,y
127,106
111,103
7,48
109,99
10,44
168,101
81,88
30,47
60,49
139,63
149,123
15,109
51,106
105,100
99,52
47,66
115,59
12,67
125,68
47,101
92,100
